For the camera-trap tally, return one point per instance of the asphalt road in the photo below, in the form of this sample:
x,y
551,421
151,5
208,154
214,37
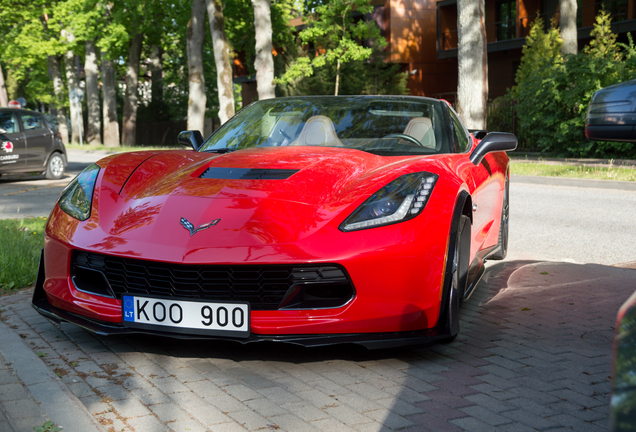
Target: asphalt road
x,y
584,225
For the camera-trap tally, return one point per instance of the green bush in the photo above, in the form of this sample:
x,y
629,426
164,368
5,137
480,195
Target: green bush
x,y
22,240
553,92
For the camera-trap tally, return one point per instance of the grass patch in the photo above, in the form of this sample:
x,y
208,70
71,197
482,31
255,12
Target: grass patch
x,y
22,240
122,149
573,171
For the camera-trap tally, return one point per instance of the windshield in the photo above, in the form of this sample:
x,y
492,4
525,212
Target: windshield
x,y
380,125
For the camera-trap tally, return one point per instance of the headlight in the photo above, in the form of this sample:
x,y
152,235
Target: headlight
x,y
402,199
77,198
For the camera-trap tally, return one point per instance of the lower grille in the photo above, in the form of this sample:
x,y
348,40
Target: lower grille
x,y
263,286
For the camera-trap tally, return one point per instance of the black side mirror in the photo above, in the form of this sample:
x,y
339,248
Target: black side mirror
x,y
192,139
611,115
493,142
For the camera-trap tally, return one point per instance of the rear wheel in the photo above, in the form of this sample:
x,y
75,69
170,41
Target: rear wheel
x,y
503,228
459,277
55,166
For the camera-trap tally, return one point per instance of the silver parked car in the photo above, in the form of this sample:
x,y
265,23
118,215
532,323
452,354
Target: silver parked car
x,y
28,143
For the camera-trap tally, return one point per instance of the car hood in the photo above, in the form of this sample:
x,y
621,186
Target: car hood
x,y
282,196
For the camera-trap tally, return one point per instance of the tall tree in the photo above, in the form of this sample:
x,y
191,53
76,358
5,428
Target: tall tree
x,y
93,130
334,30
567,22
131,98
264,62
109,108
156,72
4,99
221,59
472,60
72,83
58,88
195,34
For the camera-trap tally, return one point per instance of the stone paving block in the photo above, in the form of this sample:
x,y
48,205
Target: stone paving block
x,y
131,407
533,407
490,402
249,419
169,385
110,420
80,389
529,419
226,403
26,424
279,395
169,412
575,423
266,407
498,382
204,388
329,387
12,391
435,424
291,423
148,423
485,415
305,411
472,424
389,418
440,410
398,406
368,391
447,398
95,404
346,415
210,416
21,408
577,398
293,384
113,392
331,425
585,414
187,426
241,392
151,396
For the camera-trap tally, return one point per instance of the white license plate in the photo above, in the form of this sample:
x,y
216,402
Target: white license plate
x,y
184,316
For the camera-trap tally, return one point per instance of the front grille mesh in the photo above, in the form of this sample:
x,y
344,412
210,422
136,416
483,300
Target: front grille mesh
x,y
263,286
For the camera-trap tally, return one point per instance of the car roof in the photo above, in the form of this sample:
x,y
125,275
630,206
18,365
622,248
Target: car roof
x,y
20,110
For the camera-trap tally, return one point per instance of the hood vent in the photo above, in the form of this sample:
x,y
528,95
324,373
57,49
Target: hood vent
x,y
247,174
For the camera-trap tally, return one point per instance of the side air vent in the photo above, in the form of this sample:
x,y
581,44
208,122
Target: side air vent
x,y
247,174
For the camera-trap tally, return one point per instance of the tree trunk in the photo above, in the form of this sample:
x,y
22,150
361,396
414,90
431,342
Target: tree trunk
x,y
221,59
156,71
472,59
567,22
195,35
337,77
131,99
4,99
109,110
93,130
76,107
264,62
58,88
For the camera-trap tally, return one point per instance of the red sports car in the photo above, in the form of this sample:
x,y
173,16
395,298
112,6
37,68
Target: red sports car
x,y
309,220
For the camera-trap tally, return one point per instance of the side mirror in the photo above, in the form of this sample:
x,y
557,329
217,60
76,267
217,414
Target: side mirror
x,y
192,139
611,115
479,134
2,131
493,142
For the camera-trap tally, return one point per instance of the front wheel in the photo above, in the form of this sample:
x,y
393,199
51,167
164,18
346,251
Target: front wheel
x,y
459,278
55,166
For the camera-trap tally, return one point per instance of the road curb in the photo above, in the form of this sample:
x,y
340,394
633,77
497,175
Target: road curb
x,y
582,183
54,398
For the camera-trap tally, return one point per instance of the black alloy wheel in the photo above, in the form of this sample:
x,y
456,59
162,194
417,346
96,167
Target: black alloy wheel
x,y
459,277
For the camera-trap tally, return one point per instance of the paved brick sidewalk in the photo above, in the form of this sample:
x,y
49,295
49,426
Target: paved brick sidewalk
x,y
533,354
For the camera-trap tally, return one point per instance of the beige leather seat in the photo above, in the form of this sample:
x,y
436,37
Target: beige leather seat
x,y
318,131
421,128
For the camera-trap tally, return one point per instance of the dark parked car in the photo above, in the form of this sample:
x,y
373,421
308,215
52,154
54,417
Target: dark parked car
x,y
28,143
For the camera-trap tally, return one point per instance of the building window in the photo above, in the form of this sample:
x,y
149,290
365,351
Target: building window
x,y
506,18
617,9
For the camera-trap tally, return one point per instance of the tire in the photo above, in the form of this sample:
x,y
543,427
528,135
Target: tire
x,y
459,278
55,166
502,251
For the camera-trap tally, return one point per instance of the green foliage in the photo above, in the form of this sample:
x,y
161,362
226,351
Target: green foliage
x,y
49,426
362,77
553,92
337,37
22,241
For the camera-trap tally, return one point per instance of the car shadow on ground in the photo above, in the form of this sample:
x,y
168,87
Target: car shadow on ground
x,y
534,349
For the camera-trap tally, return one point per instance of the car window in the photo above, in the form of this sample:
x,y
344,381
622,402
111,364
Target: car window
x,y
380,125
31,121
460,132
8,122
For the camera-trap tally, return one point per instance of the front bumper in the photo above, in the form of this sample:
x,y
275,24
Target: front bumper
x,y
369,340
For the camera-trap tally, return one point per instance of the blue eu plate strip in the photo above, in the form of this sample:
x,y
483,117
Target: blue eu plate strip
x,y
129,308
